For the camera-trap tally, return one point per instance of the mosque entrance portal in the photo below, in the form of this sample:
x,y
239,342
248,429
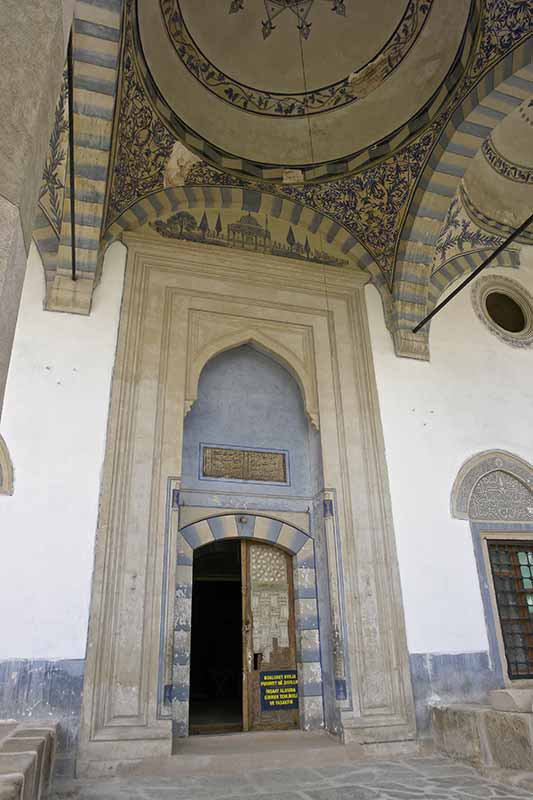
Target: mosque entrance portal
x,y
243,646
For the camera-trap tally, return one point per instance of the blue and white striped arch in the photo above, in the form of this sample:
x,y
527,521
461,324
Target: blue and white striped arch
x,y
498,93
96,41
464,264
166,201
276,533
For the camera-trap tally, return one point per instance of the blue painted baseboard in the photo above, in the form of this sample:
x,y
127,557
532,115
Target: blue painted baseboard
x,y
40,690
449,678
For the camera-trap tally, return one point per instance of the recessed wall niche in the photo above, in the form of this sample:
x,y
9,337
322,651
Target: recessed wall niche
x,y
248,426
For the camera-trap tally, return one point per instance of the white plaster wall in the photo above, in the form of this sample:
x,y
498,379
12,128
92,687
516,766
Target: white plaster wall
x,y
54,423
475,394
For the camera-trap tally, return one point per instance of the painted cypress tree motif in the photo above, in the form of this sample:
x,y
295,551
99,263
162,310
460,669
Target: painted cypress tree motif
x,y
204,225
291,239
245,234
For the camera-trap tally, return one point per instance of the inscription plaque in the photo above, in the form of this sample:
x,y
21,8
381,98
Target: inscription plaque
x,y
244,465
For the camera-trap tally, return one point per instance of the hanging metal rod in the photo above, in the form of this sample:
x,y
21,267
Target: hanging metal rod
x,y
514,235
70,74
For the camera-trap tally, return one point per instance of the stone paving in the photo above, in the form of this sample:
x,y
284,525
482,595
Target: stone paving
x,y
432,777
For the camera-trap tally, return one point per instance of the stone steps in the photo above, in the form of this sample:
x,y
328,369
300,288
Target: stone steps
x,y
250,751
27,754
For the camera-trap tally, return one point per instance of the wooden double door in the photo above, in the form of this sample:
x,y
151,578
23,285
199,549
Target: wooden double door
x,y
243,647
270,679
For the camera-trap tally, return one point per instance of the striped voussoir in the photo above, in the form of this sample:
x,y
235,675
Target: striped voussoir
x,y
96,49
500,91
167,201
248,526
464,264
270,531
47,243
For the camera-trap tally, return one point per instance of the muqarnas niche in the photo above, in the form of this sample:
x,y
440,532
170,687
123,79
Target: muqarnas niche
x,y
274,237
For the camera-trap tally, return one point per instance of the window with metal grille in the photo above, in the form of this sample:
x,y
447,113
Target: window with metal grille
x,y
512,571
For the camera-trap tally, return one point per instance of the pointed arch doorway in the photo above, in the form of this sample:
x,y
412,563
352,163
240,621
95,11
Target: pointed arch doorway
x,y
243,673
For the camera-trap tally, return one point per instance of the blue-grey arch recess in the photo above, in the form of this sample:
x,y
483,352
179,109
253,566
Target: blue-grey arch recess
x,y
246,399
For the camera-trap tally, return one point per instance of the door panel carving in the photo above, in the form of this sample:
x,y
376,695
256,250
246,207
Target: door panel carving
x,y
269,632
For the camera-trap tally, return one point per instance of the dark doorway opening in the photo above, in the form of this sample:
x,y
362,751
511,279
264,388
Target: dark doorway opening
x,y
215,704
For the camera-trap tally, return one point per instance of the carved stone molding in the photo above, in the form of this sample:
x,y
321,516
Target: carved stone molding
x,y
184,303
412,345
517,292
494,485
64,294
501,496
6,469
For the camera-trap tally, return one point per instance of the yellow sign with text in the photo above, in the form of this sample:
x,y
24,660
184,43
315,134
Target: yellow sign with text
x,y
279,689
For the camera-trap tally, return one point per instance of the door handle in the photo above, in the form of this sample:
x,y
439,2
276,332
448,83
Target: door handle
x,y
258,658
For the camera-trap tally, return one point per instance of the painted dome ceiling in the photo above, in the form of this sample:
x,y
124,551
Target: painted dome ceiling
x,y
392,136
321,86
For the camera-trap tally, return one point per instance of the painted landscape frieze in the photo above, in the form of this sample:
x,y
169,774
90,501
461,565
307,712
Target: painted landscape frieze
x,y
274,237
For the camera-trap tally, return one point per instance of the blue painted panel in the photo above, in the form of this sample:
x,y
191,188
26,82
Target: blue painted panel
x,y
307,622
306,561
312,689
247,399
305,593
340,689
449,678
41,689
310,655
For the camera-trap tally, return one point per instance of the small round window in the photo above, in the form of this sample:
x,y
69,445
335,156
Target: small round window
x,y
506,308
505,312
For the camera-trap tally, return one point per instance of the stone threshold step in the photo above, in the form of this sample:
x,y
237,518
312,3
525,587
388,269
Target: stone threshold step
x,y
233,753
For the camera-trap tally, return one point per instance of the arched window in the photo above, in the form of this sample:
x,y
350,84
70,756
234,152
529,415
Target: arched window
x,y
494,491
